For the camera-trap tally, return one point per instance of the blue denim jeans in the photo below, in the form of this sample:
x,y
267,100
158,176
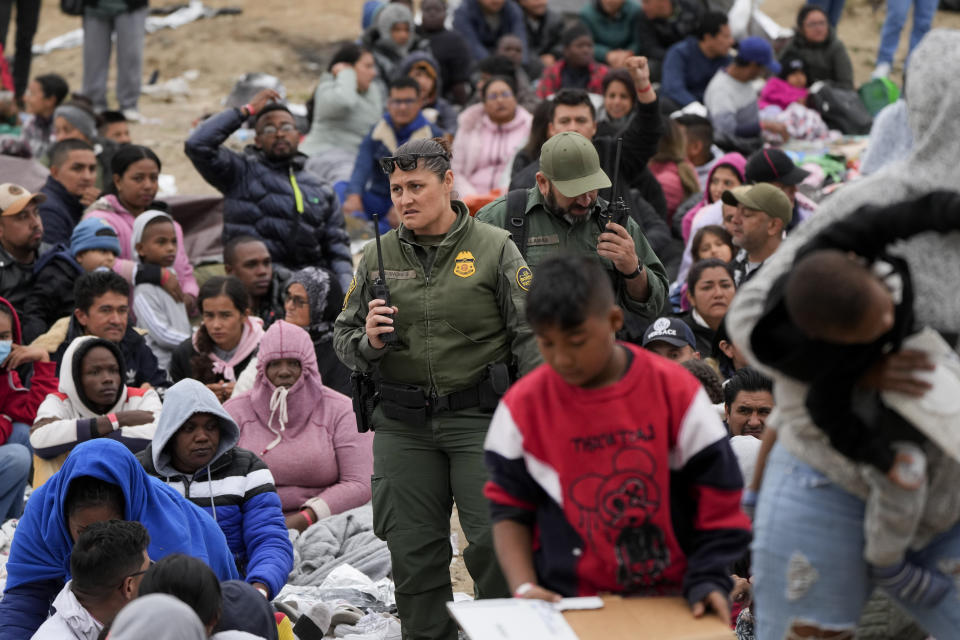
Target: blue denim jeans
x,y
808,561
15,457
833,9
923,12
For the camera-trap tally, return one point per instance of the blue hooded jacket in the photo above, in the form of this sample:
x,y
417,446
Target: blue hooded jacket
x,y
236,488
383,140
39,562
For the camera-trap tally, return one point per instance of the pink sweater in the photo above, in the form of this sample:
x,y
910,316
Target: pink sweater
x,y
109,209
320,461
483,150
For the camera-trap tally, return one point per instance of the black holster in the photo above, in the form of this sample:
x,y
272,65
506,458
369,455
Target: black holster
x,y
364,399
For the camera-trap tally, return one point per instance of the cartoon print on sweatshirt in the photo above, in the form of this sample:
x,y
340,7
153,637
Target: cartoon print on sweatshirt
x,y
622,505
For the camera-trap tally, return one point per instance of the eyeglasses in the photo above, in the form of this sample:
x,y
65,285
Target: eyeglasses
x,y
137,573
506,95
403,102
296,301
271,130
406,162
815,23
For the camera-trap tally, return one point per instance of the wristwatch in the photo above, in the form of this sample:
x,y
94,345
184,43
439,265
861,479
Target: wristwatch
x,y
636,273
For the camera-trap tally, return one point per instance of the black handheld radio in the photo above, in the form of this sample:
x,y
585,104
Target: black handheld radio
x,y
380,290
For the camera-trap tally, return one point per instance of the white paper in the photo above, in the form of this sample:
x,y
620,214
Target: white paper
x,y
579,604
511,619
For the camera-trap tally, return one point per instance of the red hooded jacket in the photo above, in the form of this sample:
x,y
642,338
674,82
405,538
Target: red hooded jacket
x,y
17,403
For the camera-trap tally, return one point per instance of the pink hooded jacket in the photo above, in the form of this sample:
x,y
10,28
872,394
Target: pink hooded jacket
x,y
483,150
306,434
781,93
109,209
735,160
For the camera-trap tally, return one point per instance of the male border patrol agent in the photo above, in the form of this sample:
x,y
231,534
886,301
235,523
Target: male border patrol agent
x,y
461,329
563,214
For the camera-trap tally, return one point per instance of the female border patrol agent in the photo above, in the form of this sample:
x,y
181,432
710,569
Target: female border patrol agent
x,y
456,289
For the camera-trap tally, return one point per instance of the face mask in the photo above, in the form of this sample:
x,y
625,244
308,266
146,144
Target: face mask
x,y
5,347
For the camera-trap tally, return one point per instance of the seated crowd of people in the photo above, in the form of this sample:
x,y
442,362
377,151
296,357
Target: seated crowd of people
x,y
174,425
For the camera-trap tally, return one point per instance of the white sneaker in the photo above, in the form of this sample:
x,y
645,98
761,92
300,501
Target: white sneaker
x,y
882,71
132,115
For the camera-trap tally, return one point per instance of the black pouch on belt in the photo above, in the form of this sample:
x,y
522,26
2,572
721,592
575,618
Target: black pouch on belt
x,y
404,402
493,386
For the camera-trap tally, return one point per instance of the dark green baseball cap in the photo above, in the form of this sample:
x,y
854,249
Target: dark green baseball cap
x,y
571,163
761,197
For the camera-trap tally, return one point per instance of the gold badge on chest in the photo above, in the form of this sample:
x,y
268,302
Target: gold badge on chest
x,y
464,266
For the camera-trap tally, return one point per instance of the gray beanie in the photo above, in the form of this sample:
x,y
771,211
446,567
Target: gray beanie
x,y
82,120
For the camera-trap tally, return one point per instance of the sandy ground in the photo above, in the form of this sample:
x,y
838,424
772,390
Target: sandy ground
x,y
292,40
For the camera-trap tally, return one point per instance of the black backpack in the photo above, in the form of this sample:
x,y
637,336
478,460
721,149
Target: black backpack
x,y
842,109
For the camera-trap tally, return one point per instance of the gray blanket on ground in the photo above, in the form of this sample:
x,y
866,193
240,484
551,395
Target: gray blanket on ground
x,y
346,538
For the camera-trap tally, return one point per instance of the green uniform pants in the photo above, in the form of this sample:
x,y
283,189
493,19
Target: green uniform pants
x,y
417,474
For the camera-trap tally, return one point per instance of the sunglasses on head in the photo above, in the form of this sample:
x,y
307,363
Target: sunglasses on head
x,y
406,162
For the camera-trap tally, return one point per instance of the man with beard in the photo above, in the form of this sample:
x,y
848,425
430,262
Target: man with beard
x,y
21,242
267,192
563,214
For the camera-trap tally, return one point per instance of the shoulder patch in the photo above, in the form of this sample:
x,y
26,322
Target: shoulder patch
x,y
465,265
524,277
351,289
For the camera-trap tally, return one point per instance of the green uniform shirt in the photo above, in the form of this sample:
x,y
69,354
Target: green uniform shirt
x,y
548,235
462,313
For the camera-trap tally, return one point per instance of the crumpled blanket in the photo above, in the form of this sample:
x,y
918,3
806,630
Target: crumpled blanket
x,y
346,538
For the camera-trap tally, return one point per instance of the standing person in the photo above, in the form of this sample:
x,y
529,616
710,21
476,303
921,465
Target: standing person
x,y
440,380
346,103
101,20
804,472
28,16
562,213
268,193
832,9
923,12
816,43
487,140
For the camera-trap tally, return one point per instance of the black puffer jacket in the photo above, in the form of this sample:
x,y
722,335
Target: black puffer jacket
x,y
260,200
51,296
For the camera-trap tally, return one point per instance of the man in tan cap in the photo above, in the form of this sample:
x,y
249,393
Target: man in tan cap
x,y
21,234
563,213
763,212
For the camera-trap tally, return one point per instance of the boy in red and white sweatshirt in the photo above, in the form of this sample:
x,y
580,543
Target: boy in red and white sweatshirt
x,y
610,470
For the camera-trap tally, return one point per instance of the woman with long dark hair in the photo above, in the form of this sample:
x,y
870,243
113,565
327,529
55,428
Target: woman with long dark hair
x,y
226,342
132,192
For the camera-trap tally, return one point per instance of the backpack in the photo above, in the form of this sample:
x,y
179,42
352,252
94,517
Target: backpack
x,y
878,93
517,219
841,109
72,7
